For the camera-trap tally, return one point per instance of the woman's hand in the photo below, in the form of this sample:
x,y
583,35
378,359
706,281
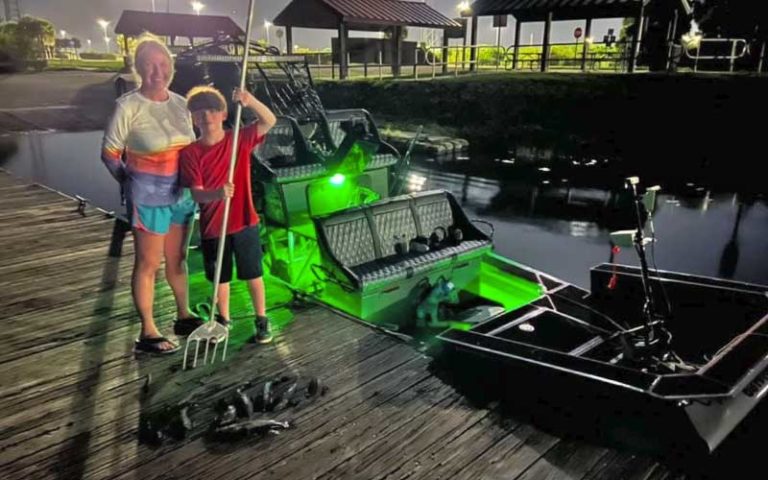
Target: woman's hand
x,y
227,191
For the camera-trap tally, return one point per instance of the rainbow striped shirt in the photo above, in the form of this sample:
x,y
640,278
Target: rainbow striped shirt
x,y
151,134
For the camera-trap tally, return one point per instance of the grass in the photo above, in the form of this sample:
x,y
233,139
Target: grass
x,y
94,65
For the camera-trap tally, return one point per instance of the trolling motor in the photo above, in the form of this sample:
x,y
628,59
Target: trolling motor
x,y
443,291
655,337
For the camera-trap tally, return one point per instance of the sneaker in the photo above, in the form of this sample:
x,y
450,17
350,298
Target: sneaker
x,y
224,321
263,334
184,326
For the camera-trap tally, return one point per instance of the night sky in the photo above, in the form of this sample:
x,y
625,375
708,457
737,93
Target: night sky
x,y
78,19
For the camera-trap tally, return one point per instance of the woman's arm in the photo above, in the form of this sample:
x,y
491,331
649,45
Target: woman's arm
x,y
113,143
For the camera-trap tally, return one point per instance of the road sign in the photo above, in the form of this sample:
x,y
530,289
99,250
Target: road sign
x,y
577,33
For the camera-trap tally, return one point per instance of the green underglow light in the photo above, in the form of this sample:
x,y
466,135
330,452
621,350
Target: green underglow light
x,y
337,179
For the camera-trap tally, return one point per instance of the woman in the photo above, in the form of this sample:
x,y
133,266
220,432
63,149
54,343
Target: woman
x,y
149,128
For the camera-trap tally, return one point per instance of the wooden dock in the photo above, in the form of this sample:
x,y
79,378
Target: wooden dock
x,y
72,397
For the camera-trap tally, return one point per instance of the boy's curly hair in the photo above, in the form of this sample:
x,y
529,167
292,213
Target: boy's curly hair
x,y
205,97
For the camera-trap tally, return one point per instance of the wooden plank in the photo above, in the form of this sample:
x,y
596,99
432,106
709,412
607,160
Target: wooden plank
x,y
509,457
100,453
568,460
624,465
458,449
354,400
423,433
233,373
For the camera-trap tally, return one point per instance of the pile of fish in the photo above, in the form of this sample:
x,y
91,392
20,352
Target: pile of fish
x,y
244,414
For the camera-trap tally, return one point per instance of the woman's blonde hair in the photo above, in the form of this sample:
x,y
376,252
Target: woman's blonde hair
x,y
148,41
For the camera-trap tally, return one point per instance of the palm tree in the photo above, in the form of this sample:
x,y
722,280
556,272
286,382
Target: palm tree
x,y
36,37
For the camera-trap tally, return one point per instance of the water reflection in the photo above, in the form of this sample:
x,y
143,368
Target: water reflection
x,y
729,259
66,162
562,226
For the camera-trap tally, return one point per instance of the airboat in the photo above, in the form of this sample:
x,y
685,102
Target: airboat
x,y
341,229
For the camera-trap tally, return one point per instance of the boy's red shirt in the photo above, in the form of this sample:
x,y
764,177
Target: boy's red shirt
x,y
207,166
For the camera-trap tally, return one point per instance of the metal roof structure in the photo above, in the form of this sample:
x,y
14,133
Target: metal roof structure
x,y
133,23
362,14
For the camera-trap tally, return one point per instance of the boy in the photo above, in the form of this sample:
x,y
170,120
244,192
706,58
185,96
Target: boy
x,y
204,169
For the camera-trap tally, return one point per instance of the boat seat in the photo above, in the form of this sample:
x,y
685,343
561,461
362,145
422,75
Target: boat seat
x,y
364,240
349,238
285,155
340,120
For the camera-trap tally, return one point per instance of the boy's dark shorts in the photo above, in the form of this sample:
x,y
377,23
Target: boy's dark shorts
x,y
246,247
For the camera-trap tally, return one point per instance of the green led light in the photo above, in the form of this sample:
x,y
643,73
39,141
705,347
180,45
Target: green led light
x,y
337,179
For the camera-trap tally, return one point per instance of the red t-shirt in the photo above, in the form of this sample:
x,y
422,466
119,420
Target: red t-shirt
x,y
207,166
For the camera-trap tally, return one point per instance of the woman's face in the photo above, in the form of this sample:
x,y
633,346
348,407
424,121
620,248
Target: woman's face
x,y
154,67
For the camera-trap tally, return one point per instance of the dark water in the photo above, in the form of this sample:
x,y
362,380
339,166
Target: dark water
x,y
67,162
557,220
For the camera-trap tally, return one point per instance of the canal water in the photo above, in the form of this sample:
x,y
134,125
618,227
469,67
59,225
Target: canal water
x,y
554,219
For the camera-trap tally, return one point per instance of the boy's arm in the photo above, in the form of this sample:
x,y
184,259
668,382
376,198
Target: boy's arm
x,y
201,195
192,178
266,118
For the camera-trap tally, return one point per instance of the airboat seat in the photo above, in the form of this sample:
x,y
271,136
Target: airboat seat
x,y
285,167
285,156
341,121
364,241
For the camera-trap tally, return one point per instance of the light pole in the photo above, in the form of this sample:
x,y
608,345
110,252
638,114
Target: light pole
x,y
279,34
462,8
267,24
63,33
197,6
88,40
103,23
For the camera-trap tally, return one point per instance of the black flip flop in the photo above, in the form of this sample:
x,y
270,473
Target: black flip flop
x,y
152,345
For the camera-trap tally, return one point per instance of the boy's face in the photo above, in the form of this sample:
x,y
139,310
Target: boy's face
x,y
209,120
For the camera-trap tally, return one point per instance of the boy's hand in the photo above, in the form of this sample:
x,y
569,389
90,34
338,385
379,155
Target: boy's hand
x,y
227,191
243,96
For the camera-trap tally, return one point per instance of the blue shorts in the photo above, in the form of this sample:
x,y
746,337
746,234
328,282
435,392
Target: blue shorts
x,y
158,219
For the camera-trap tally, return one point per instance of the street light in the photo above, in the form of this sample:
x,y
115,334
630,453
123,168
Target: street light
x,y
63,33
104,24
463,9
267,24
197,6
88,40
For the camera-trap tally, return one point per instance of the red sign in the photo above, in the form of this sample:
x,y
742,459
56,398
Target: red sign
x,y
577,33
